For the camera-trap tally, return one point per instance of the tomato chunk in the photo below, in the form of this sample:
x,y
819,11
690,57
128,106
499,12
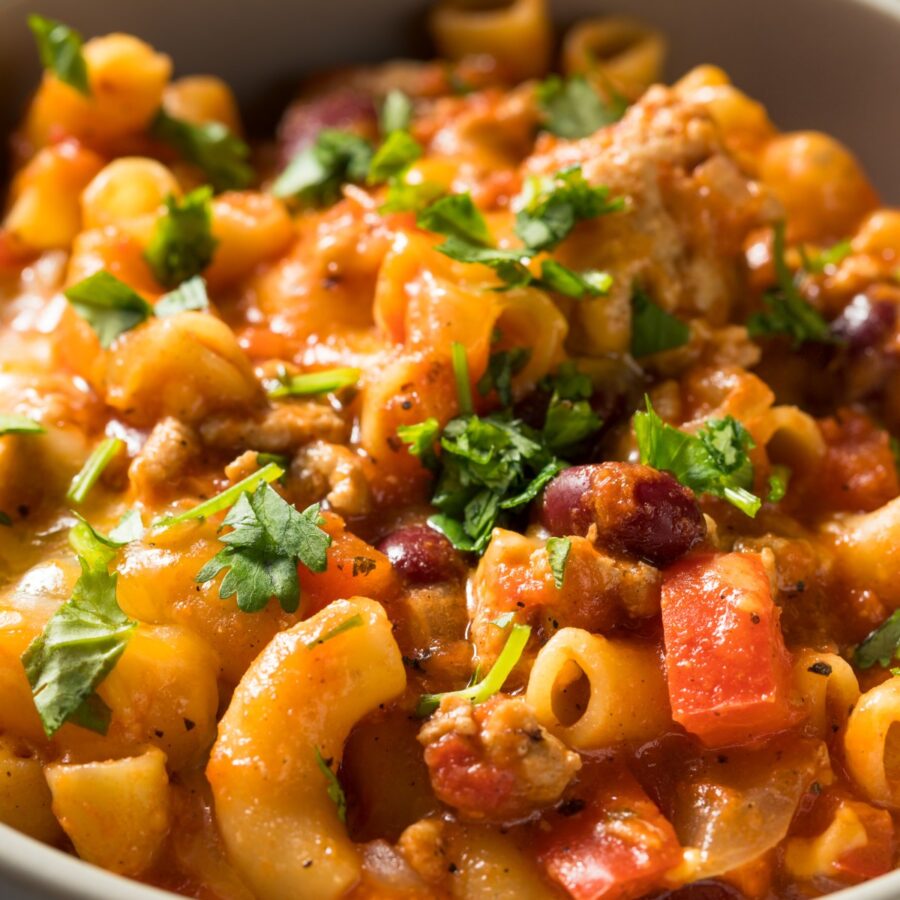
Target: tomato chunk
x,y
613,845
876,856
726,664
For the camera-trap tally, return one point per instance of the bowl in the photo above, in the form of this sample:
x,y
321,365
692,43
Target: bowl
x,y
785,53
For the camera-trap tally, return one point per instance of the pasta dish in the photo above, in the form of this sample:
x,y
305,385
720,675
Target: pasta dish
x,y
483,486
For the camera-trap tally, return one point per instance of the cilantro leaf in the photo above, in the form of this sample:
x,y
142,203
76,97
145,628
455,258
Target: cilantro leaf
x,y
182,244
492,683
456,216
190,296
60,48
399,151
551,207
316,174
714,461
335,791
881,645
421,439
499,373
307,384
268,540
570,418
653,330
468,240
210,146
13,424
787,313
93,468
573,109
558,549
407,196
79,646
109,305
396,112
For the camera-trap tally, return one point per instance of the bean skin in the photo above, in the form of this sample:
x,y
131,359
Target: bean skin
x,y
636,510
421,555
865,322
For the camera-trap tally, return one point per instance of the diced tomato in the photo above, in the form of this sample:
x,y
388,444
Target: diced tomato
x,y
726,664
876,856
617,846
355,569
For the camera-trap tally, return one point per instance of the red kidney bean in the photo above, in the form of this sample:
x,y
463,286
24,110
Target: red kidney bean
x,y
702,890
421,555
865,322
637,510
304,119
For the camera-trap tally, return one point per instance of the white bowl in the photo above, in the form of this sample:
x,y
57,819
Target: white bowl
x,y
832,65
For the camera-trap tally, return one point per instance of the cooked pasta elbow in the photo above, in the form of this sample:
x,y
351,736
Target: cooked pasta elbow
x,y
298,700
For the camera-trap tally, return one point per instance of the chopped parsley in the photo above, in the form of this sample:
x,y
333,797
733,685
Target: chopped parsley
x,y
653,330
570,418
558,549
398,152
220,154
190,296
335,791
552,206
315,175
227,498
499,373
60,49
267,541
182,244
10,423
468,240
491,466
787,313
881,645
80,644
573,109
714,461
111,307
108,305
327,381
492,683
105,452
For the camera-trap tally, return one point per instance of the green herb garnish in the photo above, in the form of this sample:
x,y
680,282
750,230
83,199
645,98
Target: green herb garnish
x,y
653,330
558,549
10,423
60,48
787,313
315,175
492,683
93,468
573,109
80,644
269,538
714,461
182,244
327,381
335,791
211,147
881,645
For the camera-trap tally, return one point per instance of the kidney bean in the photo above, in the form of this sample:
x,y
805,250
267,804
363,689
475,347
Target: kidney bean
x,y
305,118
865,322
637,510
421,555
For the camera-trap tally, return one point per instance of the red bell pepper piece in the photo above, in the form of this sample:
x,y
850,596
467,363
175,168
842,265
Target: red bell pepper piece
x,y
726,664
613,845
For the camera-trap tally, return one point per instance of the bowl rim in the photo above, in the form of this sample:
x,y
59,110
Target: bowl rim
x,y
58,875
